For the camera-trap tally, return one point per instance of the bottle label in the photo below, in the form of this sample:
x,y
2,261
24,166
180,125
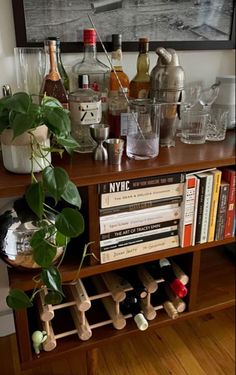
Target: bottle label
x,y
86,113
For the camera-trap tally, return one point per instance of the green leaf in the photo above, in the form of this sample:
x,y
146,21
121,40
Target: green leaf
x,y
52,279
19,102
44,253
50,102
71,194
21,123
37,238
53,298
70,222
35,197
55,181
68,143
17,299
61,240
58,121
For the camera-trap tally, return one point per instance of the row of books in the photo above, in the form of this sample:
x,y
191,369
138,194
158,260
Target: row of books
x,y
139,216
208,207
154,213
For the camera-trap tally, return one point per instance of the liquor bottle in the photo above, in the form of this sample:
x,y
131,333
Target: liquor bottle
x,y
161,298
130,274
140,84
117,69
85,109
97,72
118,114
131,305
169,276
60,66
52,83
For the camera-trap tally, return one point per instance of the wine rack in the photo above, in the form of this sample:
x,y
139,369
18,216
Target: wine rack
x,y
100,296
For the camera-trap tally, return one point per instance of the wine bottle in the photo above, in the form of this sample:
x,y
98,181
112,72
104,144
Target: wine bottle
x,y
178,303
117,69
140,84
52,83
131,305
117,114
60,66
130,274
161,298
169,276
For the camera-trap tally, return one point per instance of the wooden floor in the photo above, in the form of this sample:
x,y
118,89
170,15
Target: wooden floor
x,y
203,345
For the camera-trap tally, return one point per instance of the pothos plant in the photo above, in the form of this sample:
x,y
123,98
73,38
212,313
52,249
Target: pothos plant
x,y
21,114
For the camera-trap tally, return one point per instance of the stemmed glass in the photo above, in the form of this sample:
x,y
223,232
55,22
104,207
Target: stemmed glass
x,y
208,96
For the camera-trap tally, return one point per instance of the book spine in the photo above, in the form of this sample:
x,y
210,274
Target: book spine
x,y
202,188
206,209
138,230
113,244
141,195
139,220
187,215
214,204
221,211
195,212
139,249
138,206
139,183
229,175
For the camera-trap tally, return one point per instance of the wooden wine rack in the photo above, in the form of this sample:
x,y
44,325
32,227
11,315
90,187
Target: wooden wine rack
x,y
110,290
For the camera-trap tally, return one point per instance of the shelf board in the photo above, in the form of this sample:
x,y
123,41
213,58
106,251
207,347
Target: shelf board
x,y
84,171
215,267
23,279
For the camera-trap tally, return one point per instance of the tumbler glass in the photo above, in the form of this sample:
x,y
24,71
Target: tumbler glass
x,y
217,125
194,127
143,130
30,63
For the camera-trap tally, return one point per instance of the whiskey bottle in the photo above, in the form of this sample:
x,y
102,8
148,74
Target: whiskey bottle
x,y
140,84
98,73
117,69
118,113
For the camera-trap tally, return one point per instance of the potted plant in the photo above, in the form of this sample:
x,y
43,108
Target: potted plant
x,y
20,116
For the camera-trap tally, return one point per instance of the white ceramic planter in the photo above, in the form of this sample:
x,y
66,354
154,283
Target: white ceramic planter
x,y
16,153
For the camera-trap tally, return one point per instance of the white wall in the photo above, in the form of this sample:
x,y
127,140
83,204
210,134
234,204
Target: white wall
x,y
198,65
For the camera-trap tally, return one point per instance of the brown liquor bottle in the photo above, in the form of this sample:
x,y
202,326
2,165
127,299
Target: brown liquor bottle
x,y
52,83
140,84
117,69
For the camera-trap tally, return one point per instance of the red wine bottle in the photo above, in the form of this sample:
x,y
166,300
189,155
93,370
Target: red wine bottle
x,y
131,305
169,276
130,274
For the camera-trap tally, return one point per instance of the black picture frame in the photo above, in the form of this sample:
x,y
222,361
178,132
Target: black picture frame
x,y
71,47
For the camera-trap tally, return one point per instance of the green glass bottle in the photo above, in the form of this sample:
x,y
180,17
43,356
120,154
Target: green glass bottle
x,y
60,66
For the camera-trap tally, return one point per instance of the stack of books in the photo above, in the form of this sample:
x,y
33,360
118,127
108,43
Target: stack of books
x,y
208,206
139,216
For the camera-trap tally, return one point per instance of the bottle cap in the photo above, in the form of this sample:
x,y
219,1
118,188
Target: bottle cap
x,y
90,36
141,322
116,41
143,45
179,288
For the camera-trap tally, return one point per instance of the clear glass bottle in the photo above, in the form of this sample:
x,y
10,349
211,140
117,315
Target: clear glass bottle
x,y
60,66
117,114
97,72
140,84
117,70
85,110
52,83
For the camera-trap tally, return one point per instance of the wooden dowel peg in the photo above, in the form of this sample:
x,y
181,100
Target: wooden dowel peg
x,y
114,285
46,312
79,294
148,281
179,273
81,323
50,342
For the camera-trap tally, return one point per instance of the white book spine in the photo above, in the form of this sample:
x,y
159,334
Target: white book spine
x,y
140,219
206,209
139,249
141,195
116,240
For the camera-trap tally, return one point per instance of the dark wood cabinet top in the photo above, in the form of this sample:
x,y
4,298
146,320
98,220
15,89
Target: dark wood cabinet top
x,y
84,171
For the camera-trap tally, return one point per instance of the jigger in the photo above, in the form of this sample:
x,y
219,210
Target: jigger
x,y
99,133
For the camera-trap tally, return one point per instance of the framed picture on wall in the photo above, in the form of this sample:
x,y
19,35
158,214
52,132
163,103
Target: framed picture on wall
x,y
179,24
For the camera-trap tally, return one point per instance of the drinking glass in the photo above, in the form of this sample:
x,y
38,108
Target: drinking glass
x,y
30,68
194,127
217,125
208,96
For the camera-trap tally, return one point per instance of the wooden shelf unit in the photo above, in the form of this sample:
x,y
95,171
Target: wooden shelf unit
x,y
208,291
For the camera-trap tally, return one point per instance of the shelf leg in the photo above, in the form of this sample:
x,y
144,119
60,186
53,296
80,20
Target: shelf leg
x,y
92,361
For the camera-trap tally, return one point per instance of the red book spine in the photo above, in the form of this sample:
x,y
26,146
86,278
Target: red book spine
x,y
229,175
